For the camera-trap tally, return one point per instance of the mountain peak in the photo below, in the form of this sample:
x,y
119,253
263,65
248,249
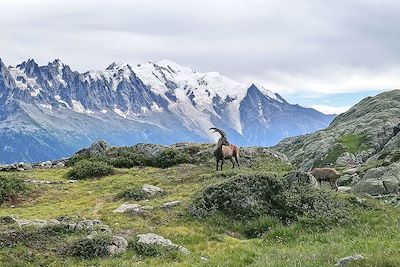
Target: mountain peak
x,y
118,65
169,64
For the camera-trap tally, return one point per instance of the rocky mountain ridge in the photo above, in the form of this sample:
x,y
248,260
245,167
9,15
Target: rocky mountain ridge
x,y
51,111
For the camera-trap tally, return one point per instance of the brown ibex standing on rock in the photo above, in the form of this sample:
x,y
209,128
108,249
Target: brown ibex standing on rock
x,y
224,150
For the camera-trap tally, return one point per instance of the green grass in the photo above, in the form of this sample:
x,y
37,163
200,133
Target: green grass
x,y
374,233
354,143
351,143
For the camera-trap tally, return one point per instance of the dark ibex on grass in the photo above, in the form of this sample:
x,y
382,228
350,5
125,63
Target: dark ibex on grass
x,y
224,150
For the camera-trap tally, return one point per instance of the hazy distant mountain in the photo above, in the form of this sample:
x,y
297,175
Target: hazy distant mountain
x,y
51,111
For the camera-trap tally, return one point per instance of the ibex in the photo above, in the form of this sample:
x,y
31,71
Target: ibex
x,y
326,174
224,150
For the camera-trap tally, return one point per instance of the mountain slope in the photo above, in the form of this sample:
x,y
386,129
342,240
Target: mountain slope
x,y
366,131
50,111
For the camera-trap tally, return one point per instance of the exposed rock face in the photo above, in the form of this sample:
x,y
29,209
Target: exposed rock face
x,y
251,152
151,239
347,159
379,181
368,126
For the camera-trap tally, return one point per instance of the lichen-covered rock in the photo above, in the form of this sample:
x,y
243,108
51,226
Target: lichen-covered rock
x,y
92,225
152,189
117,245
345,261
133,209
172,204
151,240
347,159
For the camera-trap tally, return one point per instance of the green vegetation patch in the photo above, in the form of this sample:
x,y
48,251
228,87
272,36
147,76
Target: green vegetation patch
x,y
249,197
10,187
90,247
88,169
354,143
351,143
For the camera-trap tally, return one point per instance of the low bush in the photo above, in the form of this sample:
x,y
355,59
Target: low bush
x,y
170,157
33,237
135,193
10,186
91,247
151,250
241,197
87,169
257,197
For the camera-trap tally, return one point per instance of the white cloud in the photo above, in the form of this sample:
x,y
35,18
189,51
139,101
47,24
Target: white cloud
x,y
330,109
304,47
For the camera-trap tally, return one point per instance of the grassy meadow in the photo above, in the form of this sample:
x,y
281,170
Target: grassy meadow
x,y
374,230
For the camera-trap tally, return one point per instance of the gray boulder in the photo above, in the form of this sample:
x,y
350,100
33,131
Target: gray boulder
x,y
172,204
92,225
152,190
118,245
151,239
302,177
379,181
133,209
347,159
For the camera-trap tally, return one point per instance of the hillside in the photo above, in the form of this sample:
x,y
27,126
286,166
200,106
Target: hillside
x,y
252,216
51,111
364,142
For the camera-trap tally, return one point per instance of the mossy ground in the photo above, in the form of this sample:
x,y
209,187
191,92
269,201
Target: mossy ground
x,y
374,234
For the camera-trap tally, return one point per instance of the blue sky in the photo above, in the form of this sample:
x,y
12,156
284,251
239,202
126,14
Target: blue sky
x,y
330,103
326,54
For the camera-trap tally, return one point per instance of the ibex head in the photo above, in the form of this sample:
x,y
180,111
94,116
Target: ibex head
x,y
223,140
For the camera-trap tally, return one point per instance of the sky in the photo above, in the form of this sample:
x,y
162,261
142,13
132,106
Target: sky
x,y
322,54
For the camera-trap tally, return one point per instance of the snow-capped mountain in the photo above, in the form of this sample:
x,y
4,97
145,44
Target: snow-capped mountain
x,y
51,111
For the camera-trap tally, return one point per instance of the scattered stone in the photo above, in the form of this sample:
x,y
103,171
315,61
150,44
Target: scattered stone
x,y
151,239
302,177
344,189
172,204
152,189
118,245
133,209
92,225
204,258
345,261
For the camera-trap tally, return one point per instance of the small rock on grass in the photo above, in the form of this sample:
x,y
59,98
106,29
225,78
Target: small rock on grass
x,y
152,189
151,239
172,204
134,209
346,260
118,245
